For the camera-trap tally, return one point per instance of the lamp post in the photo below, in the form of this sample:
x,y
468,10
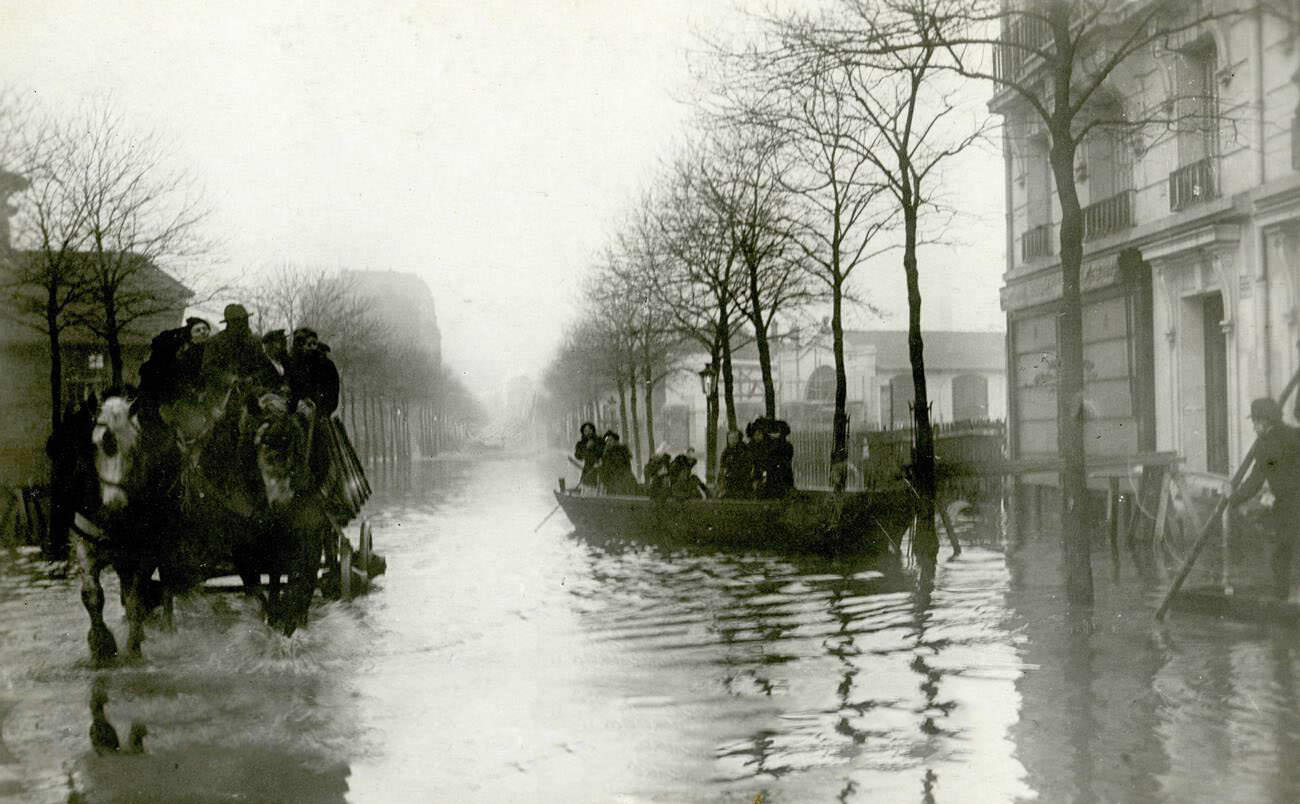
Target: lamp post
x,y
709,386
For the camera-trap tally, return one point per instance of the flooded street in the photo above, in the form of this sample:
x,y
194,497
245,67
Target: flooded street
x,y
495,663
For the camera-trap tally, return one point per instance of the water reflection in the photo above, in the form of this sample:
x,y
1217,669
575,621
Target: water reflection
x,y
498,663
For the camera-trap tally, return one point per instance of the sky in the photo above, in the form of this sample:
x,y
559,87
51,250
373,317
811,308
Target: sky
x,y
490,147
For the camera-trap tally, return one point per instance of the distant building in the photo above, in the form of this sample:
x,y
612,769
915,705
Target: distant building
x,y
965,372
405,304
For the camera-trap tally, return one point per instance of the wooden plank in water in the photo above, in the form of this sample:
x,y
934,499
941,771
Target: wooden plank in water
x,y
1244,607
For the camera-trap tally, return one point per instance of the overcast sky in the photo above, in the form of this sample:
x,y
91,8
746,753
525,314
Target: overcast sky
x,y
487,146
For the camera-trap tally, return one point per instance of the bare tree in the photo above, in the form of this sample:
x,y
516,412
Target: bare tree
x,y
744,188
902,111
138,215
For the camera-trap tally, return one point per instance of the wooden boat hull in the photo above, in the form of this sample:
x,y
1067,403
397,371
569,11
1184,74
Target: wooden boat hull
x,y
819,523
1246,605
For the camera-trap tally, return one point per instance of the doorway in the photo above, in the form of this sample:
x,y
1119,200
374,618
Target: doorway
x,y
1216,385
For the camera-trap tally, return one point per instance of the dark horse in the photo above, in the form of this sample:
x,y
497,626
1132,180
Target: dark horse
x,y
189,500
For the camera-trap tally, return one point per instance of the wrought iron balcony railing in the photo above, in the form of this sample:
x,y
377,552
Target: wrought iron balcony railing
x,y
1108,215
1020,37
1036,242
1193,184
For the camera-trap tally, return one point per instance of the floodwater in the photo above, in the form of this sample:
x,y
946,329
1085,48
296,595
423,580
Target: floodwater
x,y
496,663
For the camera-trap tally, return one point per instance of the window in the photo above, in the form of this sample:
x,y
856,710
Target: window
x,y
970,397
821,385
1196,102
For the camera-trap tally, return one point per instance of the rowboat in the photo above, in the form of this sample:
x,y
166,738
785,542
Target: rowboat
x,y
804,522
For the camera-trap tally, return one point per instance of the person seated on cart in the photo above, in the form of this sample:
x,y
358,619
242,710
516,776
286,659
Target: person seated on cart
x,y
615,468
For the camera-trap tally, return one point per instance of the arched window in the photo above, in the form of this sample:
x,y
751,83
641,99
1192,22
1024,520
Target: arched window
x,y
902,395
821,385
970,397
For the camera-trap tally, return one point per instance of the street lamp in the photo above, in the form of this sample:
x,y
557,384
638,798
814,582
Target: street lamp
x,y
709,380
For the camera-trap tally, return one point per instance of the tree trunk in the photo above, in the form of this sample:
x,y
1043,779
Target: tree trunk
x,y
711,424
622,406
926,543
636,423
112,339
649,407
1069,388
728,378
840,427
760,341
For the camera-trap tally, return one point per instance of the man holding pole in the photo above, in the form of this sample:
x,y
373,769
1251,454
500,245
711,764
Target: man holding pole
x,y
1277,460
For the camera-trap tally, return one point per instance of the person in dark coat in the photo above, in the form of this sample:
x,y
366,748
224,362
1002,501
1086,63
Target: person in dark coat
x,y
616,466
683,483
759,449
232,354
175,361
272,375
657,474
737,475
587,452
312,375
779,476
1277,460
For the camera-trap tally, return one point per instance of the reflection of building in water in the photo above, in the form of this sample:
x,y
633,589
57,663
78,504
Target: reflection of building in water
x,y
1112,711
1191,262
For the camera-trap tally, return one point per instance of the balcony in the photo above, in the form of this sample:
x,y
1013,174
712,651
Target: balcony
x,y
1192,184
1037,242
1019,38
1109,215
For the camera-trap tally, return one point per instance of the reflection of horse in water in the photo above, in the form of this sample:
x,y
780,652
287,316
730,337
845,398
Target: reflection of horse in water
x,y
186,497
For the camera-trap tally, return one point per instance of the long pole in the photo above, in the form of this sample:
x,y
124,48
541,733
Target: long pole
x,y
1219,508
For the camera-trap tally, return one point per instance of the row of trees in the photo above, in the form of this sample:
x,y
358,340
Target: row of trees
x,y
820,145
396,392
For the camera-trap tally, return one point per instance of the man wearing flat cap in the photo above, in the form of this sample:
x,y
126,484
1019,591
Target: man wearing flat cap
x,y
233,353
1277,460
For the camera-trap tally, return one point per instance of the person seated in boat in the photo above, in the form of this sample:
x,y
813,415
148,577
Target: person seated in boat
x,y
779,475
758,454
735,481
615,470
587,454
657,476
683,482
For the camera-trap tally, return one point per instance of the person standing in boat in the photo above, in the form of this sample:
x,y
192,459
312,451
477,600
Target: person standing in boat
x,y
1277,460
737,475
683,482
587,454
657,474
780,461
615,469
759,455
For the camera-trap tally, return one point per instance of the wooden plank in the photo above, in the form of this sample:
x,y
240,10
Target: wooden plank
x,y
1241,607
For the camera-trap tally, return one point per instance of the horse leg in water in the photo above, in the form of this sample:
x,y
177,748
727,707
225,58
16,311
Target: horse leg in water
x,y
308,529
103,648
133,583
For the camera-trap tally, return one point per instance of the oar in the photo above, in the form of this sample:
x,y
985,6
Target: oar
x,y
1204,537
548,517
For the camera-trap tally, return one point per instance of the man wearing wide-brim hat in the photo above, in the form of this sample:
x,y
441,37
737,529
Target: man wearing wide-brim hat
x,y
1277,460
232,353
